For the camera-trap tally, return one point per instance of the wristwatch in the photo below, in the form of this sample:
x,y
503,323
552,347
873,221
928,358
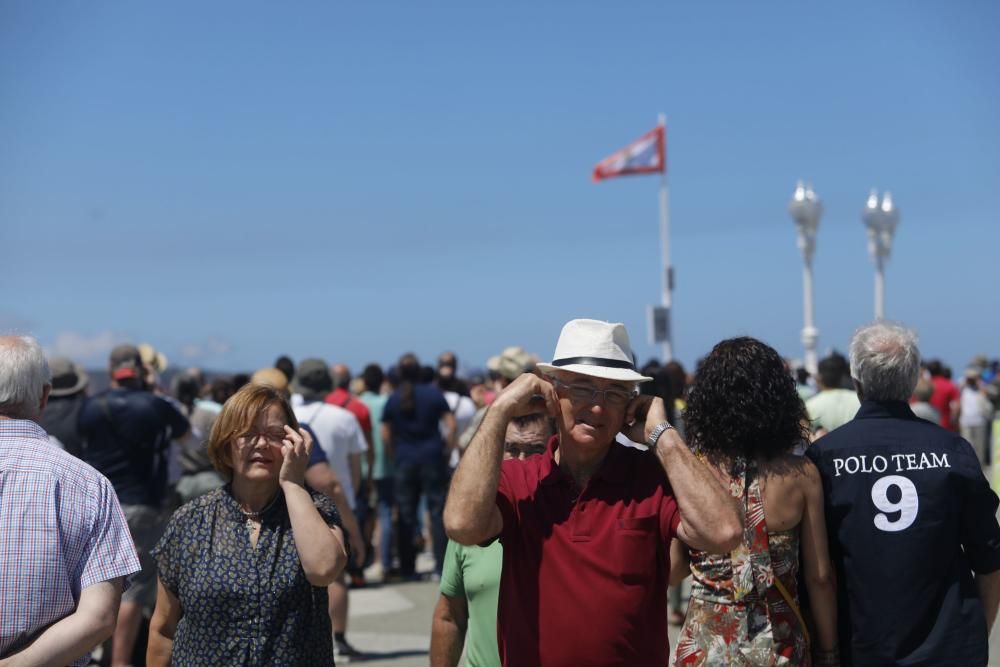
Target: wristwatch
x,y
655,434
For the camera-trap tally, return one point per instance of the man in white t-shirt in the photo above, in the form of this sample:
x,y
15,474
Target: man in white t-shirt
x,y
462,407
340,436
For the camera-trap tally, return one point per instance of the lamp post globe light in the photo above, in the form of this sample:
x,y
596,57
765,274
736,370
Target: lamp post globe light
x,y
806,209
881,219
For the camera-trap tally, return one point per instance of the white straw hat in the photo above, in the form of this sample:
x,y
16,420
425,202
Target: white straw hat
x,y
595,348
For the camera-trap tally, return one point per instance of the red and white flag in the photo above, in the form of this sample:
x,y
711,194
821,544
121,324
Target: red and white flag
x,y
645,155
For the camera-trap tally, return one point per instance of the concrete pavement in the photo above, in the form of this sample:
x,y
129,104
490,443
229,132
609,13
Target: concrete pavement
x,y
391,623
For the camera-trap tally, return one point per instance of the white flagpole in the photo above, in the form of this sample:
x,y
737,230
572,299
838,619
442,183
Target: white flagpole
x,y
667,279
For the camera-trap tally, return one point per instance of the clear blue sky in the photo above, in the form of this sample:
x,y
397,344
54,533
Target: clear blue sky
x,y
235,180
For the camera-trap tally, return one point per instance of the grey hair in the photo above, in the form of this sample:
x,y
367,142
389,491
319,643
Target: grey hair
x,y
885,361
24,373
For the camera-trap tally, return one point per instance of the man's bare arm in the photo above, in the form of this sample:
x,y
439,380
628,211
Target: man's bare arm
x,y
451,431
989,592
75,635
710,518
354,463
451,619
471,515
369,458
387,444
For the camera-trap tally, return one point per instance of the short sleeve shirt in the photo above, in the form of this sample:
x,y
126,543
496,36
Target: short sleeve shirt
x,y
910,516
474,573
832,408
417,437
61,530
376,404
243,605
337,432
584,578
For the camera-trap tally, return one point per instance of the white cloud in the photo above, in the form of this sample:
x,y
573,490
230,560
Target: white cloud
x,y
218,346
83,349
192,351
205,349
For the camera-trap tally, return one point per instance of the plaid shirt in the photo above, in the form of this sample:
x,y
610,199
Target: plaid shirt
x,y
61,530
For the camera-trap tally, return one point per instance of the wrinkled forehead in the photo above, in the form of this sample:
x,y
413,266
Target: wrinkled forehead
x,y
530,433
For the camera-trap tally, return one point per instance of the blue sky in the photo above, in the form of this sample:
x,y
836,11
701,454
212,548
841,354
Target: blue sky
x,y
235,180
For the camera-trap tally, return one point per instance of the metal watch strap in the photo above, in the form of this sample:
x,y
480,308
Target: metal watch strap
x,y
657,431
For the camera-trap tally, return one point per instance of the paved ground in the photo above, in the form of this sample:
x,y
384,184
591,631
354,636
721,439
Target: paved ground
x,y
392,624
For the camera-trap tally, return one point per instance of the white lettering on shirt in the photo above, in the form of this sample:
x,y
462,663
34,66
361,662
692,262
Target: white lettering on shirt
x,y
878,463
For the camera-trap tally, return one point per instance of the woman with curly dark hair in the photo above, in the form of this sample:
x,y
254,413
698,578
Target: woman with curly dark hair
x,y
744,418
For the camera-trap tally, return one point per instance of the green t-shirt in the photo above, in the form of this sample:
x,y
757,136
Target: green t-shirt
x,y
832,408
474,573
382,468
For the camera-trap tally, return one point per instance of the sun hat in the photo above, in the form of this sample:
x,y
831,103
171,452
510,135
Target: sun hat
x,y
595,348
312,379
68,378
152,357
511,362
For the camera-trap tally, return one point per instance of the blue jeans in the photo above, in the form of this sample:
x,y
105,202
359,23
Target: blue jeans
x,y
412,479
385,491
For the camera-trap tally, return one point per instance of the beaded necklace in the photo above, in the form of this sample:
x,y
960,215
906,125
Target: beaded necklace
x,y
253,518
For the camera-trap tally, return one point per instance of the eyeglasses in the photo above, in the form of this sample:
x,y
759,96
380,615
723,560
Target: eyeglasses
x,y
519,449
582,393
251,437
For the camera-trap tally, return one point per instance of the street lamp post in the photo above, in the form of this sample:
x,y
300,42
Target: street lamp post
x,y
806,209
881,219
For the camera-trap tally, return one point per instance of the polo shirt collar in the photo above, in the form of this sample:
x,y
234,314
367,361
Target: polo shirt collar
x,y
612,467
882,409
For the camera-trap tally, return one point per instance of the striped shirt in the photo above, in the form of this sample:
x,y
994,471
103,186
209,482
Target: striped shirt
x,y
61,530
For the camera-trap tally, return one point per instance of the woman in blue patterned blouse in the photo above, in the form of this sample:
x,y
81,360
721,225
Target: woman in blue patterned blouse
x,y
243,570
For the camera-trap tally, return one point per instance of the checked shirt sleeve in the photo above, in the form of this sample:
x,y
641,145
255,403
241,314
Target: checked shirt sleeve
x,y
109,552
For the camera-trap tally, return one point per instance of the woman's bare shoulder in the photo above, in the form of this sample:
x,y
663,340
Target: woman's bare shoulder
x,y
790,469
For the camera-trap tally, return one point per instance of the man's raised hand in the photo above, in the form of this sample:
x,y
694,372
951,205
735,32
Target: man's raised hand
x,y
644,413
528,394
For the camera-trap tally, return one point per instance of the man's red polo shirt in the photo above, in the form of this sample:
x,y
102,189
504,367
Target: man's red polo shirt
x,y
585,580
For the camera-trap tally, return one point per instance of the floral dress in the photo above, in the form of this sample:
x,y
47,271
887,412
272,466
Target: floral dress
x,y
241,604
737,616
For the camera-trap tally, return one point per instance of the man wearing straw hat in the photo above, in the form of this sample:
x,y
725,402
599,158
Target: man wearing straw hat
x,y
586,527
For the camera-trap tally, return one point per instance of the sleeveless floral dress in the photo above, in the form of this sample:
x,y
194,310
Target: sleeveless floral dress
x,y
736,615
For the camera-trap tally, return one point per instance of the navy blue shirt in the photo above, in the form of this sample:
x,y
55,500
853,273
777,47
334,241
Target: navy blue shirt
x,y
316,454
909,516
243,604
416,438
126,435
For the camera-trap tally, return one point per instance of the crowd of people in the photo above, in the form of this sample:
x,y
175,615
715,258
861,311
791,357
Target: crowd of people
x,y
838,519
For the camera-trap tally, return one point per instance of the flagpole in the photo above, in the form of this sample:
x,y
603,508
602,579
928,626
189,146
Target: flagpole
x,y
667,278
